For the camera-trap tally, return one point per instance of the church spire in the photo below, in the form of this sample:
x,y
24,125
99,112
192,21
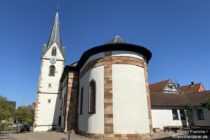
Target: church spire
x,y
55,36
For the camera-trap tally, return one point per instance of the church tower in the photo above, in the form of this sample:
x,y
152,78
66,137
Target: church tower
x,y
47,108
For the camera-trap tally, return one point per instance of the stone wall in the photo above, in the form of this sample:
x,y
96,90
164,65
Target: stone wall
x,y
107,61
71,102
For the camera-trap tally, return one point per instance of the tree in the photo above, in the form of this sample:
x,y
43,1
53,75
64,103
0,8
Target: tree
x,y
25,114
189,111
206,104
6,112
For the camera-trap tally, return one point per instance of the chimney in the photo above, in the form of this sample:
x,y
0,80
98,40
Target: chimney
x,y
177,85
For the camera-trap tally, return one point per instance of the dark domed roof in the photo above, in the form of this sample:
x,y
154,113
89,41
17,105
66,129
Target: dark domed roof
x,y
116,44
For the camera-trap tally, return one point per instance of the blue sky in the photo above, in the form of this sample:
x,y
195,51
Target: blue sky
x,y
177,32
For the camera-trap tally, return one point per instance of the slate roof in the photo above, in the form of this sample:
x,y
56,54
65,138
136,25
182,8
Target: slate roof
x,y
55,37
55,34
114,47
117,44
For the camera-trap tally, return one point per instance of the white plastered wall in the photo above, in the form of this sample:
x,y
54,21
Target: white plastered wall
x,y
59,55
130,109
127,53
92,123
47,113
53,80
162,117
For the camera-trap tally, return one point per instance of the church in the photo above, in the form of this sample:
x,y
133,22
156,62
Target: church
x,y
106,94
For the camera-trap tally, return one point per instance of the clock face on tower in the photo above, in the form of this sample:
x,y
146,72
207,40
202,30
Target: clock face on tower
x,y
53,60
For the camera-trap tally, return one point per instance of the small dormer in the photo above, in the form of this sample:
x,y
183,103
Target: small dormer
x,y
171,87
166,86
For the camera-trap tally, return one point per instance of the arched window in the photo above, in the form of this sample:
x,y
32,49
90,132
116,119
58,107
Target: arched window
x,y
52,70
92,97
54,51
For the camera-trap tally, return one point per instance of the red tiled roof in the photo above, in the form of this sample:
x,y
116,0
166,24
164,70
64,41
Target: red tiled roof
x,y
159,86
164,99
192,88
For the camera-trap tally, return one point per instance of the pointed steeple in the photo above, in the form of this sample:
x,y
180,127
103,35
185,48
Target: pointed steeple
x,y
55,36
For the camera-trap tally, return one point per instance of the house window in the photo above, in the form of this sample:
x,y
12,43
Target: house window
x,y
92,97
49,85
54,51
52,70
200,114
49,100
81,101
170,86
182,114
175,114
